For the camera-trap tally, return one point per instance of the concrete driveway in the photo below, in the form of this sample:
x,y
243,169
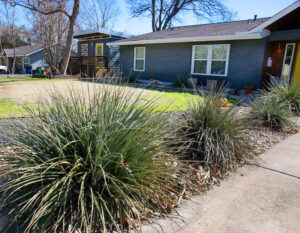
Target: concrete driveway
x,y
261,198
31,90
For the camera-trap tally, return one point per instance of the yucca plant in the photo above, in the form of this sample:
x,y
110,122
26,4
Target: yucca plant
x,y
271,111
212,134
88,163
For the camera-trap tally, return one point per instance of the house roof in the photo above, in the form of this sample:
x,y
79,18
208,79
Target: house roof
x,y
236,30
97,32
24,50
225,30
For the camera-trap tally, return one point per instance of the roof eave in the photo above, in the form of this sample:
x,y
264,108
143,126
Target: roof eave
x,y
24,55
38,50
276,17
246,36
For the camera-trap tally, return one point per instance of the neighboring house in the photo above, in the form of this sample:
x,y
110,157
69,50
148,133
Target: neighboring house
x,y
94,53
241,53
32,56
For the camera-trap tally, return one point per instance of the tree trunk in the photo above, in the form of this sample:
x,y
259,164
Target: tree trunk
x,y
153,16
70,37
14,62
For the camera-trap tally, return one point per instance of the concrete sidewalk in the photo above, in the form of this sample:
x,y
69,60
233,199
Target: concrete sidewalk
x,y
260,199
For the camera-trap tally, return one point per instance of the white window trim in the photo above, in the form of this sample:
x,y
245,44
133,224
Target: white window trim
x,y
209,60
27,60
144,59
292,58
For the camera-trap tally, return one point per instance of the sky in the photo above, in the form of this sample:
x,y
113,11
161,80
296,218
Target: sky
x,y
246,9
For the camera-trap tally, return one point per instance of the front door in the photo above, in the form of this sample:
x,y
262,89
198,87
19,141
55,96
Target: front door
x,y
287,62
99,49
296,78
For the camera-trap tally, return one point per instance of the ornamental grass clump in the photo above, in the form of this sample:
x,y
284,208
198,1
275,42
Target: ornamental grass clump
x,y
286,94
88,163
212,134
271,111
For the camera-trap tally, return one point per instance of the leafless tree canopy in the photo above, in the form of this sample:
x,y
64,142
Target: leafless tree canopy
x,y
98,14
42,6
54,7
12,32
163,12
51,31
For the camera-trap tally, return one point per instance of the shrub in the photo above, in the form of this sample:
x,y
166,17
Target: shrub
x,y
287,94
212,134
271,111
39,76
131,78
92,163
181,83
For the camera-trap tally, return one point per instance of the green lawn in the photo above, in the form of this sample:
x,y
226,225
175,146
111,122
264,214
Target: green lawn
x,y
10,109
166,101
174,101
19,79
170,102
2,80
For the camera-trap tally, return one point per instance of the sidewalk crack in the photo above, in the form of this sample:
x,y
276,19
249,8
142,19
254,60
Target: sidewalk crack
x,y
274,170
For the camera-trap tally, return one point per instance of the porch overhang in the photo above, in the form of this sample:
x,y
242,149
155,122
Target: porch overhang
x,y
96,33
277,17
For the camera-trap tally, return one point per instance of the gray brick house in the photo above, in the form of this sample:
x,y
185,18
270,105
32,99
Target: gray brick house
x,y
241,53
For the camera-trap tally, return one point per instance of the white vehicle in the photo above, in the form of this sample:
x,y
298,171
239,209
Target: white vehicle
x,y
3,69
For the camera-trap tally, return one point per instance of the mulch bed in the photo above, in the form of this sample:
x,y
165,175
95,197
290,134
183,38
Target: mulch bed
x,y
264,138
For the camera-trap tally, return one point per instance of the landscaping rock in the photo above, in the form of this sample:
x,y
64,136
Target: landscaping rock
x,y
6,130
3,222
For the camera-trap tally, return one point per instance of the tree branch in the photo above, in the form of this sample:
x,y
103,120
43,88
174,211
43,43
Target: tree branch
x,y
163,12
29,6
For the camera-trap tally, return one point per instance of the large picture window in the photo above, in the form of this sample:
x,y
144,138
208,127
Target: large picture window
x,y
139,58
210,59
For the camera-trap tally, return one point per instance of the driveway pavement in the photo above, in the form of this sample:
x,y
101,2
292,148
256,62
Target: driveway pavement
x,y
31,90
263,197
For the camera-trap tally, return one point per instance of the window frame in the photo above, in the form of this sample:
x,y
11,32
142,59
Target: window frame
x,y
24,58
19,60
96,49
210,60
135,59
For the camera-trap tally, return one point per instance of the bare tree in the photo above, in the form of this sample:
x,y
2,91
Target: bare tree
x,y
163,12
51,31
3,58
42,7
11,31
99,14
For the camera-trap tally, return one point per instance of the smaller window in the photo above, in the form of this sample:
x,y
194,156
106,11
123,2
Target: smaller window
x,y
19,60
139,58
26,60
